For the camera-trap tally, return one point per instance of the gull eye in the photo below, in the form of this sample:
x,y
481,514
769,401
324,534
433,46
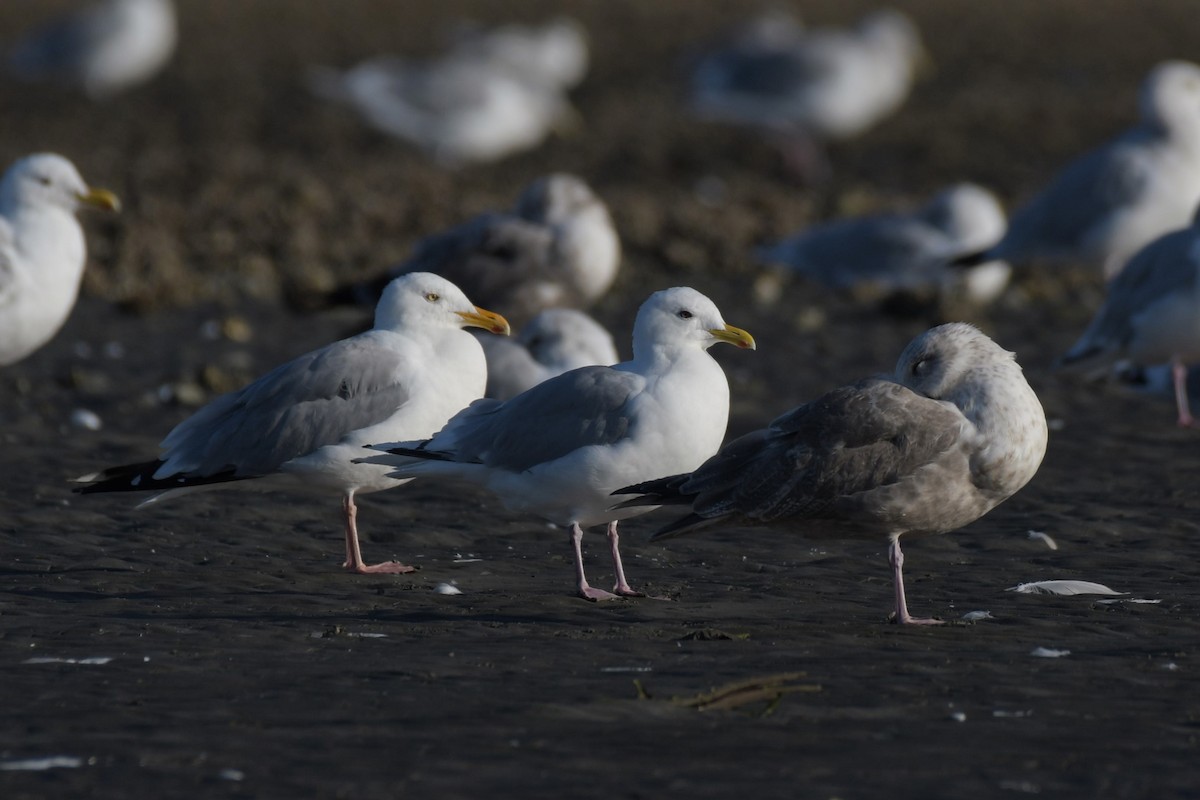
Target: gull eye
x,y
432,297
683,313
43,180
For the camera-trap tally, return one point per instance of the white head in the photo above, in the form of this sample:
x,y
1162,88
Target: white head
x,y
563,338
894,32
556,198
1170,97
942,359
47,180
968,214
427,301
677,318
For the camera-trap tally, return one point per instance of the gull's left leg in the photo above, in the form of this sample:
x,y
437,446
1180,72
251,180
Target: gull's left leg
x,y
896,559
1179,371
354,560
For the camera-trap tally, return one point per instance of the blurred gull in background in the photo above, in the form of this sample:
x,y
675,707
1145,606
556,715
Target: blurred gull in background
x,y
42,249
911,251
557,248
808,86
306,421
492,95
555,341
105,48
1107,204
1152,314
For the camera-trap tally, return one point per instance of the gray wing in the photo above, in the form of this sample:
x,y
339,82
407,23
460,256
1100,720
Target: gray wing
x,y
498,260
895,249
1166,266
304,404
822,459
583,407
1060,218
61,47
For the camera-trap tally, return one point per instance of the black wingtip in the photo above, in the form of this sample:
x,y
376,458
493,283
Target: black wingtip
x,y
972,259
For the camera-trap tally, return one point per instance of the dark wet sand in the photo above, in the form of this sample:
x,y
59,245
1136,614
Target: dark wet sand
x,y
245,664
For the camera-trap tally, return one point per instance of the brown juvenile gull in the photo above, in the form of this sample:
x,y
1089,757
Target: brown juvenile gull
x,y
560,449
42,249
304,422
555,341
953,433
1152,314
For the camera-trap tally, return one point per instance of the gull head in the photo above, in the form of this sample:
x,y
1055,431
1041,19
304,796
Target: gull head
x,y
1170,97
968,214
428,301
895,33
682,317
565,338
555,199
939,361
47,180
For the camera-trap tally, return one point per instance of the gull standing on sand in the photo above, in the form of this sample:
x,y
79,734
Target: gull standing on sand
x,y
956,431
494,94
911,251
105,48
557,248
304,422
42,249
1152,314
807,86
1109,203
555,341
560,449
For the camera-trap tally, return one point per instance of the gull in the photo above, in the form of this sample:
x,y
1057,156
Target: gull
x,y
459,110
554,54
555,341
954,432
105,48
304,422
42,249
809,85
1152,314
560,449
1107,204
905,251
556,248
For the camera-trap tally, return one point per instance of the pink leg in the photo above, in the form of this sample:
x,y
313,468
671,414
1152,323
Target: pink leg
x,y
614,542
1180,372
896,559
354,561
585,591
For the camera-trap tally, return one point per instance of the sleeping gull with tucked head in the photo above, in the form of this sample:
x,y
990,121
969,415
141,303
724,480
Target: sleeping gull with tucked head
x,y
954,432
560,449
1152,314
1110,202
555,341
42,249
304,422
